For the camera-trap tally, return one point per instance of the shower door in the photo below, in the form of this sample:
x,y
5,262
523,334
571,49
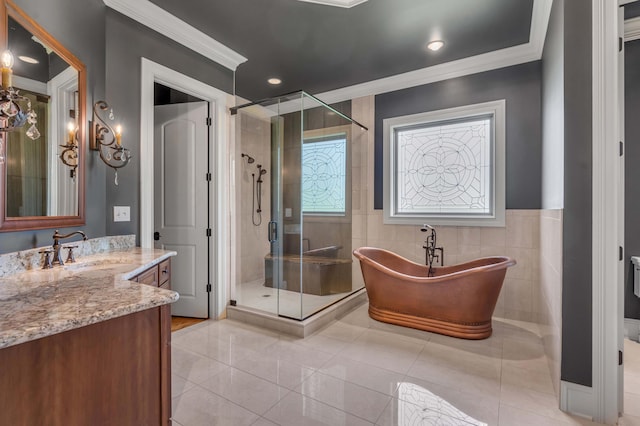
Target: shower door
x,y
309,265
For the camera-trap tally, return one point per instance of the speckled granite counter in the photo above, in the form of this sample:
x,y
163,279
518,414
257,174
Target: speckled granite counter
x,y
38,303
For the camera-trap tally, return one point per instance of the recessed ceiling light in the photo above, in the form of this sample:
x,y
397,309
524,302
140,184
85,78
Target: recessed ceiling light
x,y
275,81
435,45
28,59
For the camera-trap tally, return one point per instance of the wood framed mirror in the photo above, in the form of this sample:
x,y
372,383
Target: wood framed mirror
x,y
39,190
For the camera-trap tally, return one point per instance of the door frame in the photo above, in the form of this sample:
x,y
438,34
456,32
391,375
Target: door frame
x,y
606,207
219,102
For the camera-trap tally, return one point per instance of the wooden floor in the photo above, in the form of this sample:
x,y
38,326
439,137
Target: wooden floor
x,y
178,323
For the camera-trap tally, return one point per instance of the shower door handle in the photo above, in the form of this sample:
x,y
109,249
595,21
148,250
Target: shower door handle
x,y
272,231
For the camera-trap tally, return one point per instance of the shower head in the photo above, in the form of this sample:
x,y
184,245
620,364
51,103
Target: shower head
x,y
250,159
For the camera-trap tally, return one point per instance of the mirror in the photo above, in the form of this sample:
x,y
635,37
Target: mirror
x,y
42,178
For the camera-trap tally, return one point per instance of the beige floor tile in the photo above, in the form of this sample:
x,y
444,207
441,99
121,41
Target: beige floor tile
x,y
455,378
348,397
384,351
246,390
430,396
194,367
628,420
632,404
511,416
400,413
297,410
321,343
199,407
263,422
290,352
374,378
544,404
539,381
283,373
179,385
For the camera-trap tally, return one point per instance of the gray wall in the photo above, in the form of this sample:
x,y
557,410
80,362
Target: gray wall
x,y
553,110
521,87
576,290
126,43
79,25
632,173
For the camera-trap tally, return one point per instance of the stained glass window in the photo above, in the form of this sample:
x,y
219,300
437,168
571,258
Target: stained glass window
x,y
324,163
445,167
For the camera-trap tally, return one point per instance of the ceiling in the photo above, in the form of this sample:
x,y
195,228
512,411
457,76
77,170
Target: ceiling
x,y
319,48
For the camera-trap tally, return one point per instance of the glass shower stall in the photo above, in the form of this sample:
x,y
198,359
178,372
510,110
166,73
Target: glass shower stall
x,y
294,179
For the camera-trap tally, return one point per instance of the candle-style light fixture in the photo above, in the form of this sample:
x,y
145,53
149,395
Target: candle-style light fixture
x,y
107,141
69,154
12,116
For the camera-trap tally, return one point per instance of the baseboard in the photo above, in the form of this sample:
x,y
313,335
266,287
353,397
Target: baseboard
x,y
632,329
576,399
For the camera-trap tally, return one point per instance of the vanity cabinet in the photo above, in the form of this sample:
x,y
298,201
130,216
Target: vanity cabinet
x,y
157,276
115,372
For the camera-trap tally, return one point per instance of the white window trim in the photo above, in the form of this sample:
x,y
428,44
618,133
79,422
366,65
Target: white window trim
x,y
497,109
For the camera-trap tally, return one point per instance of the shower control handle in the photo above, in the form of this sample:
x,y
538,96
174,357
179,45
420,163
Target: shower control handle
x,y
272,231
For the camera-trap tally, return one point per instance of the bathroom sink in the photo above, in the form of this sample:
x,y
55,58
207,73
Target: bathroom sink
x,y
94,265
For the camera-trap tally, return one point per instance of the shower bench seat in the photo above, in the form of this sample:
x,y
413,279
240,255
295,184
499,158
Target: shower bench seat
x,y
321,275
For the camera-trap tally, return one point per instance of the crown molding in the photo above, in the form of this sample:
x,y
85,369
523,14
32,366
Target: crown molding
x,y
632,29
161,21
339,3
527,52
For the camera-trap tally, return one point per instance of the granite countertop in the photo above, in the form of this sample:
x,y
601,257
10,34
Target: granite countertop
x,y
42,302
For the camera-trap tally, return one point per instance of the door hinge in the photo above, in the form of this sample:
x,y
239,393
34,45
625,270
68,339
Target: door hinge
x,y
208,177
619,357
208,288
620,44
209,122
233,302
620,252
621,148
208,232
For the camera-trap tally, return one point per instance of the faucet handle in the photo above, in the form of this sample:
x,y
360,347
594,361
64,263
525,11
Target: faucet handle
x,y
46,264
70,257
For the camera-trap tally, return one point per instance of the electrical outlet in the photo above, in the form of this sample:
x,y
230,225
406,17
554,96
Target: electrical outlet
x,y
121,213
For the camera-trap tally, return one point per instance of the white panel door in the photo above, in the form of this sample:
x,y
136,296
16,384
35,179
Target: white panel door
x,y
180,201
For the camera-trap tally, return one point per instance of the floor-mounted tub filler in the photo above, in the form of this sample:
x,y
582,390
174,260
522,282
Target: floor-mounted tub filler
x,y
456,300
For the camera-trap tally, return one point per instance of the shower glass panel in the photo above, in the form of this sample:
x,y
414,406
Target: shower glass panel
x,y
308,221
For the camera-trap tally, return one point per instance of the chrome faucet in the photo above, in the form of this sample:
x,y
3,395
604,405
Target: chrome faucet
x,y
56,244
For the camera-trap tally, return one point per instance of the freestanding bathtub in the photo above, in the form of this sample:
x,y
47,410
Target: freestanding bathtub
x,y
457,300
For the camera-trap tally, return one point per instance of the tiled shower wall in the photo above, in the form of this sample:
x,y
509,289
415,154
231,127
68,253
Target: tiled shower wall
x,y
254,136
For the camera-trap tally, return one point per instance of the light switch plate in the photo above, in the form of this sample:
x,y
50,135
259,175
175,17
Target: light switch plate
x,y
287,212
121,213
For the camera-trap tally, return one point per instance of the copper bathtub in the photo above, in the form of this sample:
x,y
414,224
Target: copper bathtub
x,y
457,300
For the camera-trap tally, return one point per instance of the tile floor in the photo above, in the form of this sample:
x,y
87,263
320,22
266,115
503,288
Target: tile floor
x,y
358,371
631,416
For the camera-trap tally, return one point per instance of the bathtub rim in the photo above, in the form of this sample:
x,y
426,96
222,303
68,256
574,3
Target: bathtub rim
x,y
503,263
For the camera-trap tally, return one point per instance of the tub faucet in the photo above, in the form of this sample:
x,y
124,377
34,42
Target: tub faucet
x,y
431,249
56,244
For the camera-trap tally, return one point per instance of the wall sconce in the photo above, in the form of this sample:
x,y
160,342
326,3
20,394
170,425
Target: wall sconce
x,y
107,142
12,116
69,154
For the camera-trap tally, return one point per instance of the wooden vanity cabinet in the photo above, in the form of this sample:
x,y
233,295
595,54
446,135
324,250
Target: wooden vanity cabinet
x,y
157,276
115,372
